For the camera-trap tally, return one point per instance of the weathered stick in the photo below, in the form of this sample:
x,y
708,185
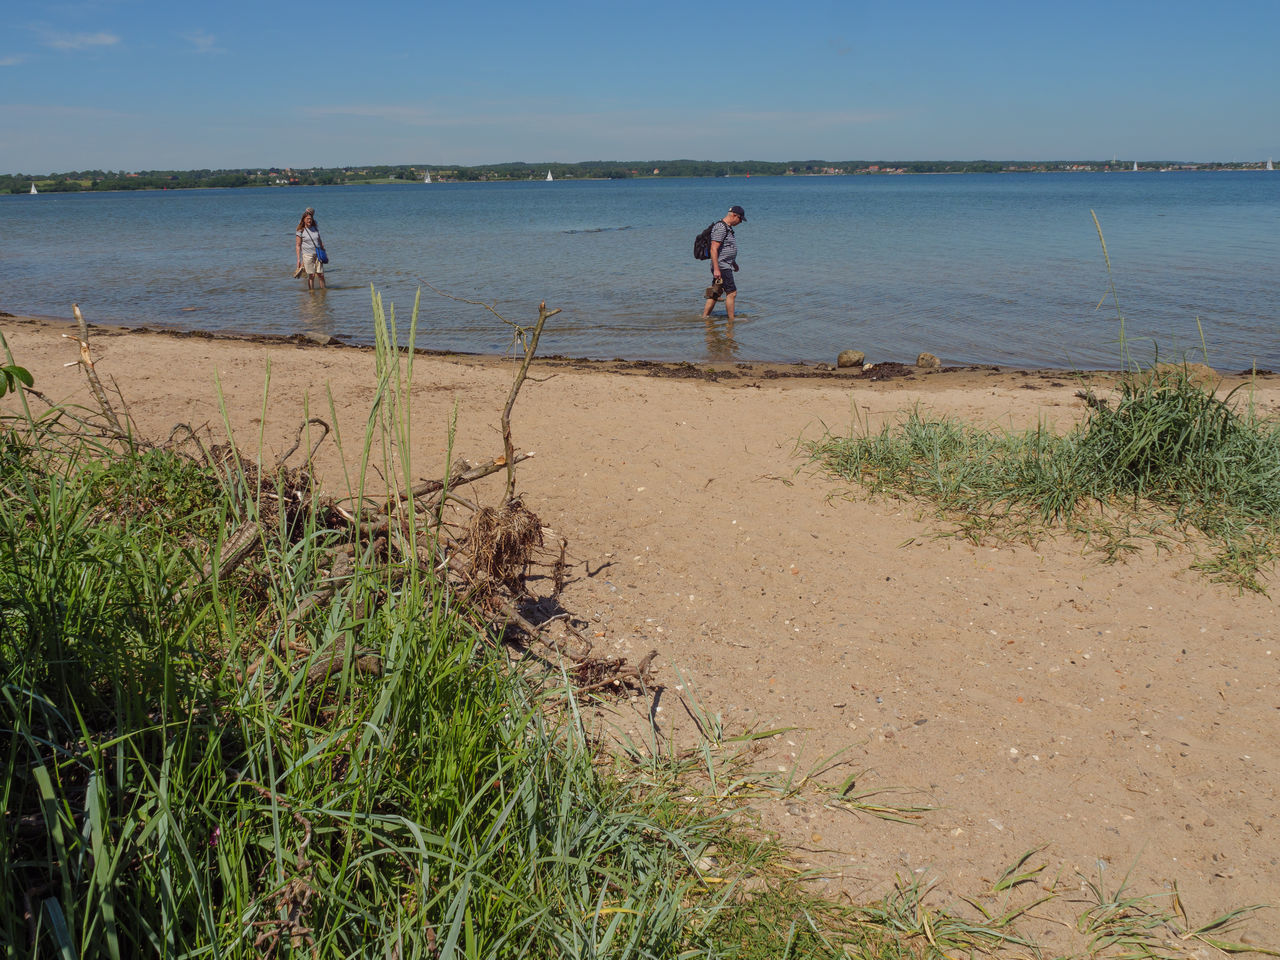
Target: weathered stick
x,y
475,473
95,385
533,630
340,573
297,441
235,550
530,348
639,672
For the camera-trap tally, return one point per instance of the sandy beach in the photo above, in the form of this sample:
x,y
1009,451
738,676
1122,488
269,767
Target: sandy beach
x,y
1123,716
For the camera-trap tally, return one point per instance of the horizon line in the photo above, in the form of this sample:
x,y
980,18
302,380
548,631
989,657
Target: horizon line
x,y
650,162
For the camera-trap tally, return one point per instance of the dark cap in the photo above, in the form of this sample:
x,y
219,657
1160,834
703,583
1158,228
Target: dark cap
x,y
310,210
742,214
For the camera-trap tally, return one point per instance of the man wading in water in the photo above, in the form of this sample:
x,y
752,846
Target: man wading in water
x,y
724,261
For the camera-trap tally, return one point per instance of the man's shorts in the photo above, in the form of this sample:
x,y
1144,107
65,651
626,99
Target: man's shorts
x,y
312,265
726,274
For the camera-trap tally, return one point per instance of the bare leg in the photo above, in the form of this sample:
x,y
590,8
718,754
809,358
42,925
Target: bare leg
x,y
728,304
714,295
320,277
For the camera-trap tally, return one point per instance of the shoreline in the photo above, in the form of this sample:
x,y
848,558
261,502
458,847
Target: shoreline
x,y
705,370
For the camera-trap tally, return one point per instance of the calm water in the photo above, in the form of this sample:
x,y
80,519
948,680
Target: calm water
x,y
1000,269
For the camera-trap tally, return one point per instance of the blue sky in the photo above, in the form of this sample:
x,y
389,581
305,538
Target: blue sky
x,y
137,84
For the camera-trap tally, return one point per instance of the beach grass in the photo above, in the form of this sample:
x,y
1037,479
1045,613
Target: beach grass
x,y
1166,459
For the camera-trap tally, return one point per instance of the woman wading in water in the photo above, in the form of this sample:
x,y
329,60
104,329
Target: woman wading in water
x,y
306,242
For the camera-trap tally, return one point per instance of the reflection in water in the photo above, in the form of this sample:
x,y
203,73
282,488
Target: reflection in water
x,y
720,344
314,311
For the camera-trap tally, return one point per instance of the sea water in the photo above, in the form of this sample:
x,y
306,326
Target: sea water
x,y
1002,269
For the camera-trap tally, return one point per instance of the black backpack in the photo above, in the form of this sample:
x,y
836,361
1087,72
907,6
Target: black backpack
x,y
702,242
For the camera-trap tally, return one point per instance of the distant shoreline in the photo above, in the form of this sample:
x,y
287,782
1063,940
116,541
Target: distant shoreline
x,y
97,181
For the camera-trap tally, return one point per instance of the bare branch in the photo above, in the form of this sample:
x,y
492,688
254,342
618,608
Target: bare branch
x,y
297,441
475,473
86,361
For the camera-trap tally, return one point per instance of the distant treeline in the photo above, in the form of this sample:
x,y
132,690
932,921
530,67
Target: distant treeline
x,y
80,180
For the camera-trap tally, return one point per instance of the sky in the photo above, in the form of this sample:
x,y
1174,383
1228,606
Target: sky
x,y
144,85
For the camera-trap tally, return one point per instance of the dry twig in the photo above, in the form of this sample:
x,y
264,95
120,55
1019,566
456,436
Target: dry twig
x,y
91,374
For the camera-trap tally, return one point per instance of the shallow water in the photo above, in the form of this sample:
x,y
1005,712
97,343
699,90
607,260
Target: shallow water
x,y
1003,269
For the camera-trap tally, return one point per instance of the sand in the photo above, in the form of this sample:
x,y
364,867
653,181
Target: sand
x,y
1123,716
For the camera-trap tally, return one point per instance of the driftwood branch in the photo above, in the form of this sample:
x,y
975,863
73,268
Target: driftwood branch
x,y
528,340
470,476
297,441
236,549
481,555
531,629
624,674
530,348
340,573
95,385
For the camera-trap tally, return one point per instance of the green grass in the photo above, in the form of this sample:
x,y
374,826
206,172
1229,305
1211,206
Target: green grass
x,y
1166,459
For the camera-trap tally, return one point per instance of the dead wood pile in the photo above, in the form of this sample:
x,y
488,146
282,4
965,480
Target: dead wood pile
x,y
488,557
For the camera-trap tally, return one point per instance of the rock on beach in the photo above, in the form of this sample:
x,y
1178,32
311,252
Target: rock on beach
x,y
850,358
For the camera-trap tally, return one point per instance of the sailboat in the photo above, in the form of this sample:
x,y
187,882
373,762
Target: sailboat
x,y
549,177
34,191
1270,166
427,177
1135,166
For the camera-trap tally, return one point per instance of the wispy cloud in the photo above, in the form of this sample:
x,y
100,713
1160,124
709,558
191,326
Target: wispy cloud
x,y
10,61
82,41
23,111
203,42
413,116
811,119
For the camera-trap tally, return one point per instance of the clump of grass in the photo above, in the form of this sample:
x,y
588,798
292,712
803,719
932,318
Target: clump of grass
x,y
1154,927
1166,458
1170,461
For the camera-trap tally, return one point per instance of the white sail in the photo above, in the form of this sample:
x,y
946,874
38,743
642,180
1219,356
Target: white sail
x,y
1135,166
33,189
427,177
1270,165
549,177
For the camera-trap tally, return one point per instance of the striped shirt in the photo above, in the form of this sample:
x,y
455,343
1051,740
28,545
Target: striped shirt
x,y
722,234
